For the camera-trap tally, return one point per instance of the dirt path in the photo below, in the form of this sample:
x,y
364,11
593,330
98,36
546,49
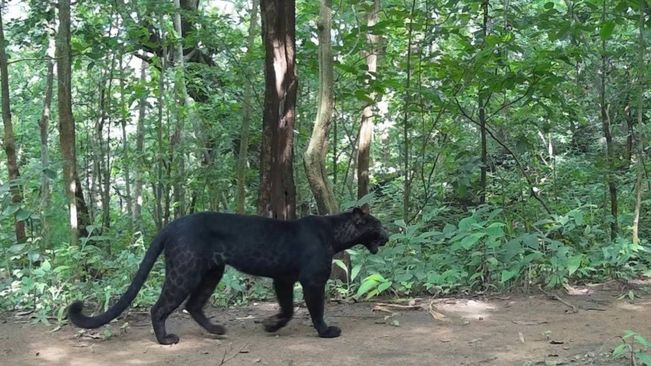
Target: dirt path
x,y
512,330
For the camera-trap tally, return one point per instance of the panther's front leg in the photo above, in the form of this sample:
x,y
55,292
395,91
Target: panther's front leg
x,y
285,295
314,298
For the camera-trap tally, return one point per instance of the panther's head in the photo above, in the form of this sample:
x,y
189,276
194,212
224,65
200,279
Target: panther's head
x,y
368,230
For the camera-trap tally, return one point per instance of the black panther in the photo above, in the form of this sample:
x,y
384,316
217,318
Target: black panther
x,y
198,247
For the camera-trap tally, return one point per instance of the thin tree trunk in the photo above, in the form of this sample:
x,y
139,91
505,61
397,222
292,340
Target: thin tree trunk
x,y
66,122
366,127
406,199
159,186
278,192
605,124
639,187
43,125
177,141
315,155
105,158
317,149
9,142
126,163
96,145
481,105
140,143
242,158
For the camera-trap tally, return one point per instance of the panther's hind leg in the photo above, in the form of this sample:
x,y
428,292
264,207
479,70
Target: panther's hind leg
x,y
180,280
285,294
200,296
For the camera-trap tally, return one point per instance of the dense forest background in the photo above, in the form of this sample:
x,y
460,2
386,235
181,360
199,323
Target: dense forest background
x,y
502,142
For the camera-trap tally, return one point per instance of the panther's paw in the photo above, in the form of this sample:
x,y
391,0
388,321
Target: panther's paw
x,y
169,339
215,329
330,332
273,323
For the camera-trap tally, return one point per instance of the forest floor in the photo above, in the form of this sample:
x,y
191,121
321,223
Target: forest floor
x,y
494,330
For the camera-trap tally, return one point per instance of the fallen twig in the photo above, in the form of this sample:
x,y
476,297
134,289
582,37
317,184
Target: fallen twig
x,y
559,299
529,322
228,349
435,314
399,306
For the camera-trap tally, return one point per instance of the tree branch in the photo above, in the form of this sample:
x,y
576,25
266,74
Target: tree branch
x,y
532,189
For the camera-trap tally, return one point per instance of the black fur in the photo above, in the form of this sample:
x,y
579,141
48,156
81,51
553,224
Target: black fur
x,y
197,248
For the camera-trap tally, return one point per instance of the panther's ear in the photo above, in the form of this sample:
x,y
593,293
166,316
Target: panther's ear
x,y
360,212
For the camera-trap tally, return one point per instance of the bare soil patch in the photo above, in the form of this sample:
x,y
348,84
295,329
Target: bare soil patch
x,y
507,330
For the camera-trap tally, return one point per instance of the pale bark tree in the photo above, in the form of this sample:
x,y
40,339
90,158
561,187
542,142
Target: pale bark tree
x,y
315,155
366,128
43,125
242,158
140,150
181,110
406,136
126,160
77,210
317,149
641,68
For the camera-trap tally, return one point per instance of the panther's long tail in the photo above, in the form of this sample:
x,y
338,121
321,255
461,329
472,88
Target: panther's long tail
x,y
74,310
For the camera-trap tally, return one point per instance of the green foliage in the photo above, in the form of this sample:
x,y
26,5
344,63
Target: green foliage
x,y
635,347
488,251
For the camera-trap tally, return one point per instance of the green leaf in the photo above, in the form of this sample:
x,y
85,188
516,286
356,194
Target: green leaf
x,y
339,263
50,173
10,210
607,29
383,286
574,263
507,275
644,358
363,96
46,266
23,214
471,240
449,229
466,223
369,283
641,340
549,5
355,271
17,248
494,230
620,350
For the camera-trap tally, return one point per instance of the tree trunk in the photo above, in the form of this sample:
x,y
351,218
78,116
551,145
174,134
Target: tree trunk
x,y
315,155
639,187
9,142
43,125
176,144
242,158
278,193
78,212
481,105
159,187
140,150
105,152
317,149
126,163
366,127
406,197
605,125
